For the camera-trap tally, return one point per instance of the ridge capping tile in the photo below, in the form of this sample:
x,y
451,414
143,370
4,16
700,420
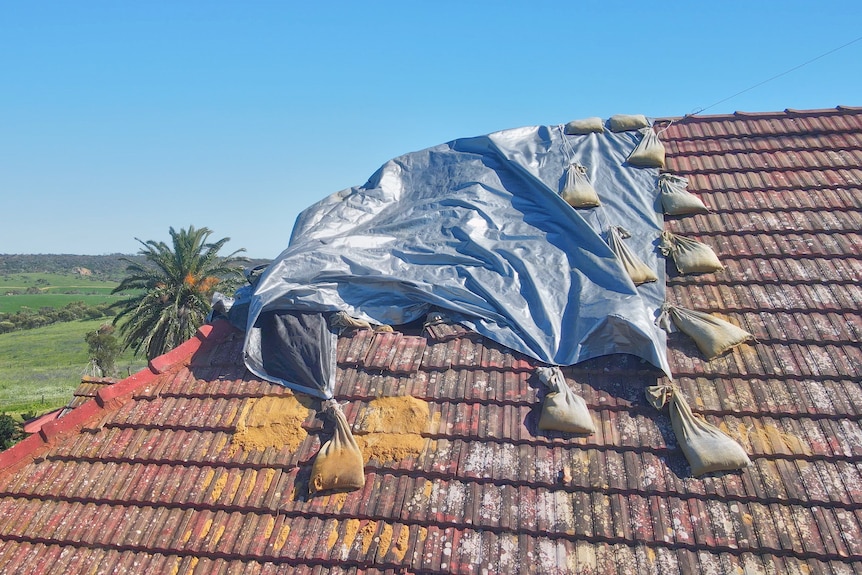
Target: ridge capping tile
x,y
181,353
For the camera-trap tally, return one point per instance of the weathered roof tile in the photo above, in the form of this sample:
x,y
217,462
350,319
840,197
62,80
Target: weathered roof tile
x,y
158,472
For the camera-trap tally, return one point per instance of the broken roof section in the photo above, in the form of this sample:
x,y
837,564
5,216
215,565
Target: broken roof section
x,y
477,228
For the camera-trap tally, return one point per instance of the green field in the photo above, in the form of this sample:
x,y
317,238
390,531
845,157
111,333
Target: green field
x,y
55,282
40,368
15,303
54,290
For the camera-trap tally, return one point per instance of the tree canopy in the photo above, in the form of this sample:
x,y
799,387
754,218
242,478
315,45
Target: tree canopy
x,y
103,348
171,289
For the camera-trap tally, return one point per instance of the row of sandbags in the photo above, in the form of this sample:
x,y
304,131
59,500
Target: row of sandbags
x,y
706,448
339,463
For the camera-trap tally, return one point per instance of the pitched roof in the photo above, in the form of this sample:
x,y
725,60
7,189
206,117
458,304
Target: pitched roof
x,y
155,474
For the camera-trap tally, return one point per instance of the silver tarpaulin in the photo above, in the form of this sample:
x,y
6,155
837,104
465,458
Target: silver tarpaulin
x,y
476,227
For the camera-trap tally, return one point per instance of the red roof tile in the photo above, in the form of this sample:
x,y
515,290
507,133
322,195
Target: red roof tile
x,y
145,475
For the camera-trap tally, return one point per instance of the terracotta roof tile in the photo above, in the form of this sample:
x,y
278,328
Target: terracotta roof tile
x,y
151,461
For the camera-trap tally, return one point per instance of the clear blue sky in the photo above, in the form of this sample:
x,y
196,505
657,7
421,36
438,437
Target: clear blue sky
x,y
121,119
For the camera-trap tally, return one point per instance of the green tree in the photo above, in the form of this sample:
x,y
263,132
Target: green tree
x,y
10,433
171,289
104,348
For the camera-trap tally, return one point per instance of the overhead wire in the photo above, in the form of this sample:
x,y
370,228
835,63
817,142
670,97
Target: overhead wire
x,y
823,55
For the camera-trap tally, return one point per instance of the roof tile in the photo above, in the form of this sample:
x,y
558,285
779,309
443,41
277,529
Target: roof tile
x,y
152,458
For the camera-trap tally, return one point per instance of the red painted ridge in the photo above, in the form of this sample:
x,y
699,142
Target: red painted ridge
x,y
181,353
109,397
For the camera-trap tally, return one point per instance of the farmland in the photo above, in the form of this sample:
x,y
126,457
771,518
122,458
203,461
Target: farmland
x,y
37,290
48,303
41,367
43,354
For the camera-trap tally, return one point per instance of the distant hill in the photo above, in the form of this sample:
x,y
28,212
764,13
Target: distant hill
x,y
108,267
105,267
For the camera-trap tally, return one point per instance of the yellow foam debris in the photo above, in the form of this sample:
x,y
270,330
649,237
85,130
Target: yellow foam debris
x,y
401,414
651,555
333,535
385,541
338,500
390,428
401,544
367,535
351,528
271,421
219,486
390,446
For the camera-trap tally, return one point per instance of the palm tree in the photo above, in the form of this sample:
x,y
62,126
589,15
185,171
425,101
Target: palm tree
x,y
172,289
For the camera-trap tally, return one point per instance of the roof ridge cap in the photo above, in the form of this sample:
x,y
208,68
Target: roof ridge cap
x,y
787,112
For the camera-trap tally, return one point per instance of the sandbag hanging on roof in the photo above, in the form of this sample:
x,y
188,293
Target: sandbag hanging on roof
x,y
562,410
713,336
339,463
706,447
634,266
689,256
649,153
676,200
626,122
577,189
584,126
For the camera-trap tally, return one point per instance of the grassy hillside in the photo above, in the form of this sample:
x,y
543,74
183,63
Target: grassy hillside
x,y
40,368
37,290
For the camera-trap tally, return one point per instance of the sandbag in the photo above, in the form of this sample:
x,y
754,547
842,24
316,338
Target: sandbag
x,y
676,200
689,256
706,447
713,336
649,153
562,410
626,122
339,463
634,266
577,189
585,126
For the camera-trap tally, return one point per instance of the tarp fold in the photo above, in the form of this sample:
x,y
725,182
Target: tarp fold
x,y
475,228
